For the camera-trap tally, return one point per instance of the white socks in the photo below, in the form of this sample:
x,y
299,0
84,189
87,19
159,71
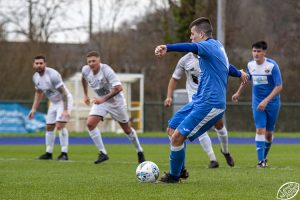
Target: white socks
x,y
205,142
50,139
64,139
223,138
96,137
135,140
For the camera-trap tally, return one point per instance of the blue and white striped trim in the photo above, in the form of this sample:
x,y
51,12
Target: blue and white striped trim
x,y
213,113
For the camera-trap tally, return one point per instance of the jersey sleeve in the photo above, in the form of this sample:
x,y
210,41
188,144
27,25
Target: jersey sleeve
x,y
112,77
85,71
179,69
183,47
56,79
234,72
248,72
276,75
34,82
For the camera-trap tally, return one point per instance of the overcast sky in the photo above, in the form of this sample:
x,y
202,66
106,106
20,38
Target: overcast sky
x,y
76,14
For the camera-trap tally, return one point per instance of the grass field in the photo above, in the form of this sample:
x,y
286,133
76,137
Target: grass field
x,y
23,177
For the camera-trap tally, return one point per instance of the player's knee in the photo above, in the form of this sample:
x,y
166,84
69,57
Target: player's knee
x,y
177,139
170,131
60,126
219,125
269,136
127,130
90,125
50,127
261,131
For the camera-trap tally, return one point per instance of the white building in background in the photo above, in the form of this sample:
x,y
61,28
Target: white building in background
x,y
80,110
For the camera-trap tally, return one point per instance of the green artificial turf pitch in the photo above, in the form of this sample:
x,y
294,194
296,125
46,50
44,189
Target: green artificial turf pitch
x,y
24,177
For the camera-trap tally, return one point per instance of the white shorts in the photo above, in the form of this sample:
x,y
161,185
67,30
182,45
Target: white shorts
x,y
55,110
117,113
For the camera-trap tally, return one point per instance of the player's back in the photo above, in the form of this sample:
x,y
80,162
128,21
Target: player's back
x,y
214,73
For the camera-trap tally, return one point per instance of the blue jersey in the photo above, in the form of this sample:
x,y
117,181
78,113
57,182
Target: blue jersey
x,y
265,78
214,70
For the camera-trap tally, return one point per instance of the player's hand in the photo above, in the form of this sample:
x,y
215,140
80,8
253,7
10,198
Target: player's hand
x,y
168,102
86,100
98,100
235,97
160,50
262,105
65,116
244,77
31,114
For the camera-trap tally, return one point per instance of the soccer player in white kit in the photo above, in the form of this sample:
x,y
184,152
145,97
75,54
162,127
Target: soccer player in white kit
x,y
110,100
48,82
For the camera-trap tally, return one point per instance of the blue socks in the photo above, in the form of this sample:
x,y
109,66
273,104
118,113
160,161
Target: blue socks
x,y
177,158
260,146
267,148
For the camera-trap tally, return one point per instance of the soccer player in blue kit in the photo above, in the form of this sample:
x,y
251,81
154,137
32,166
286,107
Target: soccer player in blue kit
x,y
208,104
266,86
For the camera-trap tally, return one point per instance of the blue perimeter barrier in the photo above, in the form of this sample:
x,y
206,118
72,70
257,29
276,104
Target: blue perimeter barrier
x,y
124,140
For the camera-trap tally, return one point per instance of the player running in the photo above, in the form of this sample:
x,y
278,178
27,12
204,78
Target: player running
x,y
110,100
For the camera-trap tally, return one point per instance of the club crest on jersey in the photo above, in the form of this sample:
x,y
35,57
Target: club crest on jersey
x,y
267,70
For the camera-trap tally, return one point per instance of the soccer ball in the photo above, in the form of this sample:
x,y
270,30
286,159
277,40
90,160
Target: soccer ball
x,y
147,172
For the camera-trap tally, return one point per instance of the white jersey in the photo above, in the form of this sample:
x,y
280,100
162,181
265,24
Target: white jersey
x,y
49,83
188,64
102,82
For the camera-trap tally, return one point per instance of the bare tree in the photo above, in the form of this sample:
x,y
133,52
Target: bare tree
x,y
44,18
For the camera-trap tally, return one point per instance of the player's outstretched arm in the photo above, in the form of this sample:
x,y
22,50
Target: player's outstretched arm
x,y
179,47
234,72
183,47
160,50
244,77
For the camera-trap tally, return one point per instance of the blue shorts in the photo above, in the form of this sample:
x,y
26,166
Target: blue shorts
x,y
192,121
265,119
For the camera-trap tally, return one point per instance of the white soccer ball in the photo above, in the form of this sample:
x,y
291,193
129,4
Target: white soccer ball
x,y
147,172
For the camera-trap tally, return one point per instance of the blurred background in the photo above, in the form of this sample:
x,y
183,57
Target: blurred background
x,y
126,32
